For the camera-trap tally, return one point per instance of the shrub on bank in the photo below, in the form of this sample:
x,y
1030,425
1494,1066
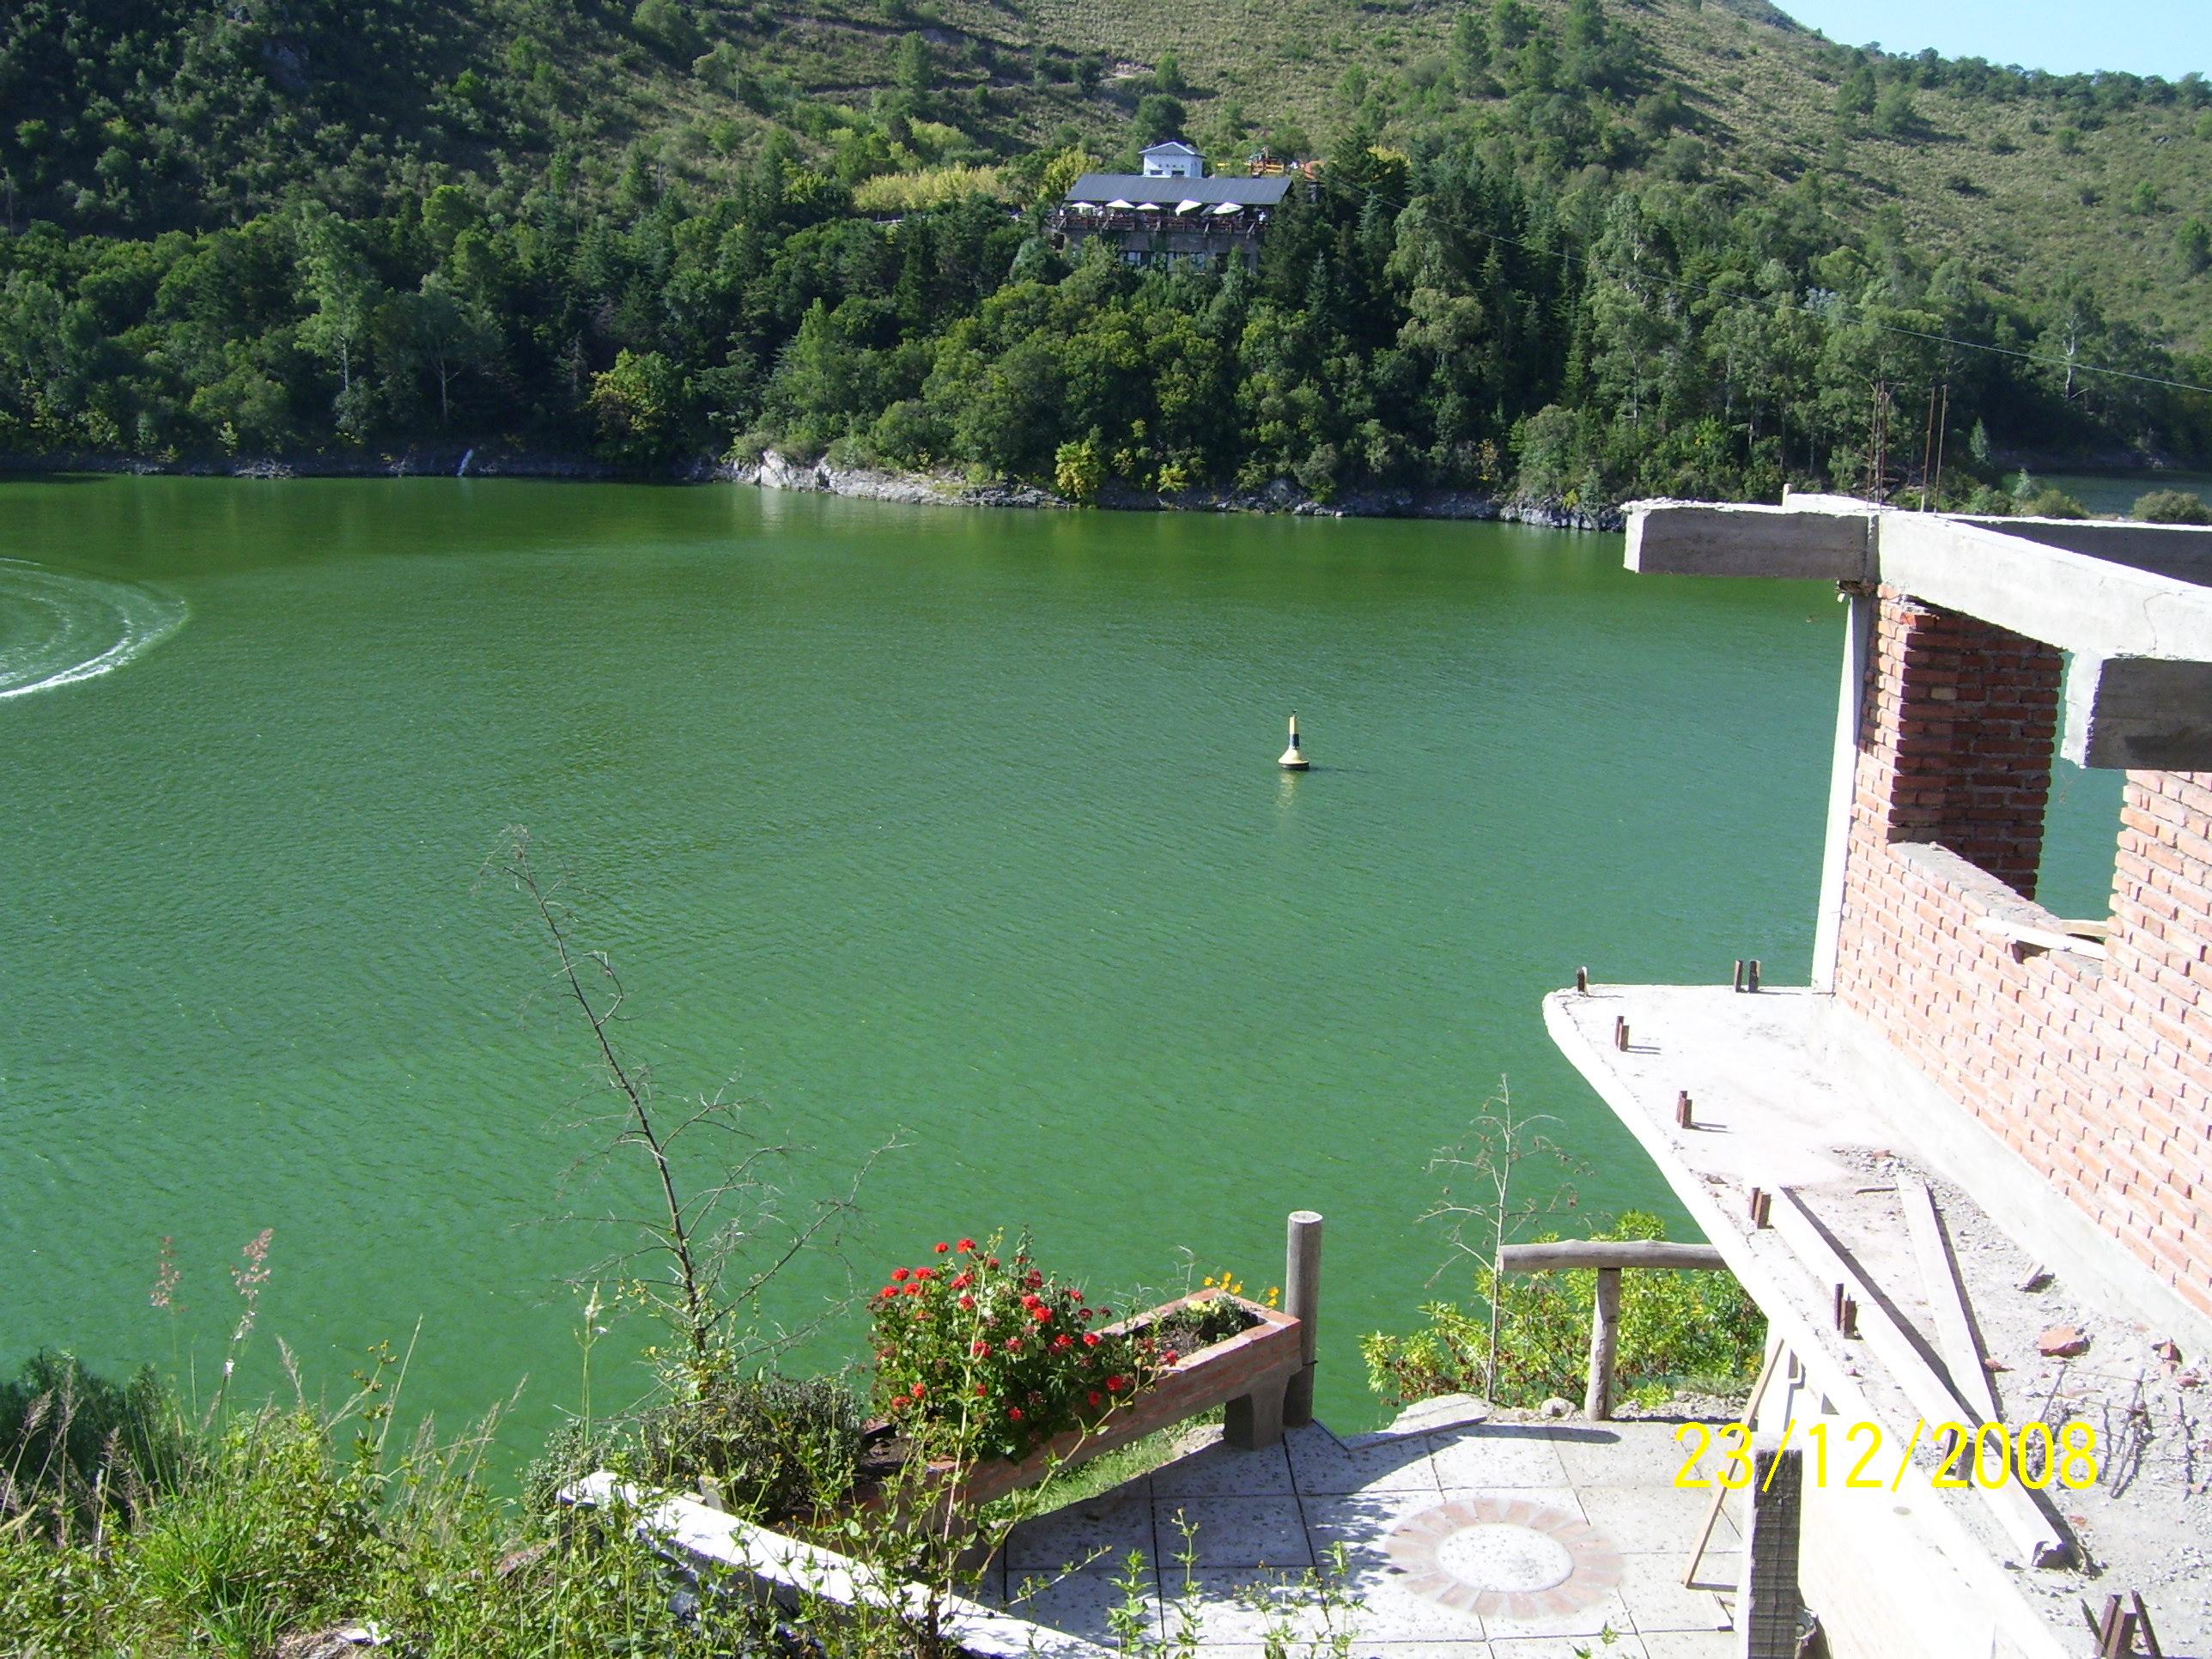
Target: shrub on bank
x,y
1677,1329
2170,507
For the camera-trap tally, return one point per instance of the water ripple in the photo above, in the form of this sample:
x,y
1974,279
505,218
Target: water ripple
x,y
55,629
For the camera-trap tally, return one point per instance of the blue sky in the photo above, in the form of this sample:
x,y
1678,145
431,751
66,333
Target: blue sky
x,y
2148,37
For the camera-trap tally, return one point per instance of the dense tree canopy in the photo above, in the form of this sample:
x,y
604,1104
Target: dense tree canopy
x,y
1537,288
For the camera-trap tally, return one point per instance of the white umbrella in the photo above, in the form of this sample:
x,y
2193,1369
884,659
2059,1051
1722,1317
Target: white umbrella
x,y
1228,207
1185,207
1118,203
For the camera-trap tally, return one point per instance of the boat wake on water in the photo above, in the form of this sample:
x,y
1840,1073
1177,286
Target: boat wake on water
x,y
55,629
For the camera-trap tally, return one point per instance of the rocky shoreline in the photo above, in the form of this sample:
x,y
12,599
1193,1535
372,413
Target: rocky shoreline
x,y
774,471
777,471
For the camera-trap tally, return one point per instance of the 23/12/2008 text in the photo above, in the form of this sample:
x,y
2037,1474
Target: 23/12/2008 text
x,y
1978,1455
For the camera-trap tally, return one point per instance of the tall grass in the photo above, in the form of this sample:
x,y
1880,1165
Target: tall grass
x,y
285,1522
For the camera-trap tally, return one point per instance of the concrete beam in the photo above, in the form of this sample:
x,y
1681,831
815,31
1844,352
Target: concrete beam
x,y
1695,538
2082,604
1816,501
2151,714
2131,602
2167,550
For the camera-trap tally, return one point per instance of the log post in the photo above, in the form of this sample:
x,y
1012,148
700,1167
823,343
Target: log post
x,y
1301,1300
1605,1336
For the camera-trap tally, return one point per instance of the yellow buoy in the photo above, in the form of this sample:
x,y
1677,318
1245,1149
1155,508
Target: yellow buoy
x,y
1293,760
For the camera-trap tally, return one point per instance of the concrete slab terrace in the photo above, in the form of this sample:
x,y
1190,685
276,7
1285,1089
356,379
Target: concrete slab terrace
x,y
1462,1538
1784,1096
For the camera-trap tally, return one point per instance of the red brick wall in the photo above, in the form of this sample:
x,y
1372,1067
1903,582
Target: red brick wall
x,y
2099,1075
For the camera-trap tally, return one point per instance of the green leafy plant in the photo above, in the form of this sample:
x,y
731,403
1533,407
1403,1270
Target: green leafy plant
x,y
1526,1337
773,1447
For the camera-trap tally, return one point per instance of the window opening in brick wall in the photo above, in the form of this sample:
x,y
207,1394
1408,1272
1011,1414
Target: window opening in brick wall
x,y
2081,839
1974,708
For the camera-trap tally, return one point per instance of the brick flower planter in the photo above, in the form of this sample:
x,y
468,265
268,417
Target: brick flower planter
x,y
1248,1373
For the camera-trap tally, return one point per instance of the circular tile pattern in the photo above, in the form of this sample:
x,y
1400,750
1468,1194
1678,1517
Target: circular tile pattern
x,y
1507,1557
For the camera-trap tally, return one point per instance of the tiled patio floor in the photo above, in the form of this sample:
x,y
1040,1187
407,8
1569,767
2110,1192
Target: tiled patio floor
x,y
1463,1539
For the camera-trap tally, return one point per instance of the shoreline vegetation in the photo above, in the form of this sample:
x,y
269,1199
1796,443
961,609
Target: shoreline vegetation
x,y
774,471
2020,493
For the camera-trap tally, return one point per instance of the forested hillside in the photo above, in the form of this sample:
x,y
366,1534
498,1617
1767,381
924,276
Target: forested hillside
x,y
1572,248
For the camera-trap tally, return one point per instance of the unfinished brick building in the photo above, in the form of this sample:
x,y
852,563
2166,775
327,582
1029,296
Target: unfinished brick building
x,y
1967,1172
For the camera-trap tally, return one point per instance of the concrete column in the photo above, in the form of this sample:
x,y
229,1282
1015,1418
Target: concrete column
x,y
1769,1609
1842,786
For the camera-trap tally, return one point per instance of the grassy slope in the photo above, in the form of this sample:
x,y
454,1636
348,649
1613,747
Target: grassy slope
x,y
1982,177
1764,89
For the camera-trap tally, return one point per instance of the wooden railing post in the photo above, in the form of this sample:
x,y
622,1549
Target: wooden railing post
x,y
1302,1299
1607,1256
1605,1336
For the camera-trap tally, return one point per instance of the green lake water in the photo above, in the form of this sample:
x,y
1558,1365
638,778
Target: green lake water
x,y
957,822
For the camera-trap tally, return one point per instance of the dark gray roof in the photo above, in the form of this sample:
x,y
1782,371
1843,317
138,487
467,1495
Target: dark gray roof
x,y
1135,188
1170,147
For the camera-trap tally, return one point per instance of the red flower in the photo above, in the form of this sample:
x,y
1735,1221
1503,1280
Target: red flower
x,y
966,1245
1090,1314
983,1388
1114,1385
1044,1316
1074,1295
992,1262
917,1391
1033,1278
1014,1413
1103,1312
1030,1300
898,1273
1013,1345
1059,1343
967,1300
925,1273
1094,1396
888,1291
914,1290
1091,1339
943,1248
980,1349
964,1281
1169,1358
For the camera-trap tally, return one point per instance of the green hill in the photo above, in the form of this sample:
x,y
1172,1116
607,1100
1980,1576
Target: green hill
x,y
512,181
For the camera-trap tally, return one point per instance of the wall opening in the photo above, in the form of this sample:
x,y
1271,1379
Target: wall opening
x,y
2081,840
